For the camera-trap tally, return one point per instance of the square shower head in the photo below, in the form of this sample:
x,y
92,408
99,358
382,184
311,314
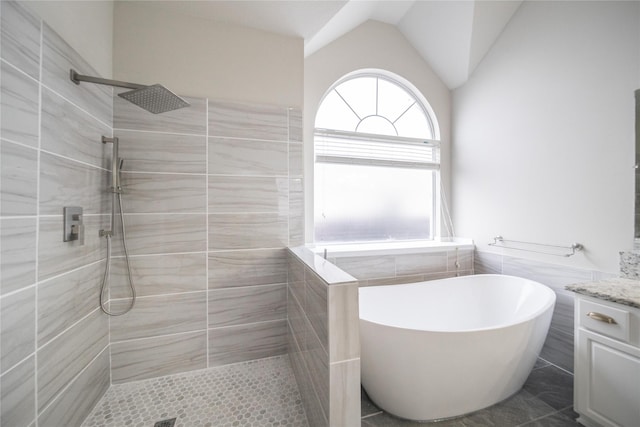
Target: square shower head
x,y
155,99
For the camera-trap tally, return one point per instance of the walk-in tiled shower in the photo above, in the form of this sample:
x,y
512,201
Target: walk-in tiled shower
x,y
212,196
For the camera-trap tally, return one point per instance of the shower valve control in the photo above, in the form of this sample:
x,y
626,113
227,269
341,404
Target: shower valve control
x,y
73,226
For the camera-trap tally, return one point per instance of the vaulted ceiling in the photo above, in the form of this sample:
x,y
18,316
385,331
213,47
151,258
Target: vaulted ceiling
x,y
452,36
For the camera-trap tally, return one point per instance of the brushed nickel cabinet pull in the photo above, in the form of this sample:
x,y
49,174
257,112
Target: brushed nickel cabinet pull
x,y
602,317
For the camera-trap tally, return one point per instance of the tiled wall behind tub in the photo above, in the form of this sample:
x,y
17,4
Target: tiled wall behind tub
x,y
372,270
212,196
558,348
54,358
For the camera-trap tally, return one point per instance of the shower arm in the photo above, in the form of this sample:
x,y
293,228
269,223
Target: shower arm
x,y
77,78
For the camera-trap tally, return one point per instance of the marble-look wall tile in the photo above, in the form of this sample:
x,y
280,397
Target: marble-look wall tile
x,y
17,253
154,357
18,179
235,344
431,262
189,121
247,231
559,349
554,276
234,194
18,106
343,323
295,125
317,362
76,402
17,322
251,304
235,120
20,36
163,193
296,273
316,309
57,257
71,132
243,157
64,182
296,212
162,234
57,59
312,407
162,152
345,393
64,300
159,274
463,258
18,395
247,268
64,357
297,321
487,263
295,160
563,313
159,315
368,267
398,280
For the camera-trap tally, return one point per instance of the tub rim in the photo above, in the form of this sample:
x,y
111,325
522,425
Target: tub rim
x,y
549,304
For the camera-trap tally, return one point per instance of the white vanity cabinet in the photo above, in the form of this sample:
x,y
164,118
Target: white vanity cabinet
x,y
607,363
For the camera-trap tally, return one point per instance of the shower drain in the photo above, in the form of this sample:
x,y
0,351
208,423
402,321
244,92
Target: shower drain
x,y
165,423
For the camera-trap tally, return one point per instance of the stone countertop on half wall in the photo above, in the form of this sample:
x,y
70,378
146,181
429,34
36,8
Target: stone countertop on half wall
x,y
619,290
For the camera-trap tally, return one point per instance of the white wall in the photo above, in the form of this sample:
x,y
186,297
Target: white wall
x,y
86,25
196,57
543,132
371,45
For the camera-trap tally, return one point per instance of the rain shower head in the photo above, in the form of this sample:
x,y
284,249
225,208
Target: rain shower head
x,y
155,98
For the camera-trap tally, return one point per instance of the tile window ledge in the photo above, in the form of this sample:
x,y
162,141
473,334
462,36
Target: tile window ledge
x,y
390,248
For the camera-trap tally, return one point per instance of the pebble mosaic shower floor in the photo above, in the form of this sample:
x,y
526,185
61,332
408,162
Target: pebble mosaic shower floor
x,y
256,393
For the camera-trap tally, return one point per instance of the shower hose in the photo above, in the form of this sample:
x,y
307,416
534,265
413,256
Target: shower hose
x,y
107,269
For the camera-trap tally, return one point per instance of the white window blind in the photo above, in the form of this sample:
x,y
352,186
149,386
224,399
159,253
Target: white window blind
x,y
333,146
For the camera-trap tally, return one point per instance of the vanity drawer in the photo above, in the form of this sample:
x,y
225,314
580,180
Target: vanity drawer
x,y
604,319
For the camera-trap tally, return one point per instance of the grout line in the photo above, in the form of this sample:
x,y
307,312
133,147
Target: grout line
x,y
195,331
556,366
206,207
21,144
236,138
372,415
550,414
17,291
61,156
75,105
73,270
37,249
24,74
112,300
83,318
120,130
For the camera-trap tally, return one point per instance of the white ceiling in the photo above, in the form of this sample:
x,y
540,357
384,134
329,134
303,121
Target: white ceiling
x,y
451,35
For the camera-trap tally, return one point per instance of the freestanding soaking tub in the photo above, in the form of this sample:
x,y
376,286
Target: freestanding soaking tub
x,y
444,348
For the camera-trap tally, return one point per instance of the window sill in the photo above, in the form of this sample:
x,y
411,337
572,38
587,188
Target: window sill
x,y
390,248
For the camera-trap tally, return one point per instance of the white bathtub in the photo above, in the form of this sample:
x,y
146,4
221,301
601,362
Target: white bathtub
x,y
444,348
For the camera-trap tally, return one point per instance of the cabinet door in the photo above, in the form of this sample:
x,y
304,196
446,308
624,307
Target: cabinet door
x,y
607,380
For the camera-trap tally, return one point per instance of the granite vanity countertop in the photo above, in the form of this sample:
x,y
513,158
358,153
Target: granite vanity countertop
x,y
619,290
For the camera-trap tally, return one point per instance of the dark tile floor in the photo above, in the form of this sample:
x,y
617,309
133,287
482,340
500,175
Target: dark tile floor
x,y
546,400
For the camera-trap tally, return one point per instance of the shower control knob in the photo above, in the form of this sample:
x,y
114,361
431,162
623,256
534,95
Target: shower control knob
x,y
77,233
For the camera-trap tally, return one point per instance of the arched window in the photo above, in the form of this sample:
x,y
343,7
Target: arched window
x,y
376,162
